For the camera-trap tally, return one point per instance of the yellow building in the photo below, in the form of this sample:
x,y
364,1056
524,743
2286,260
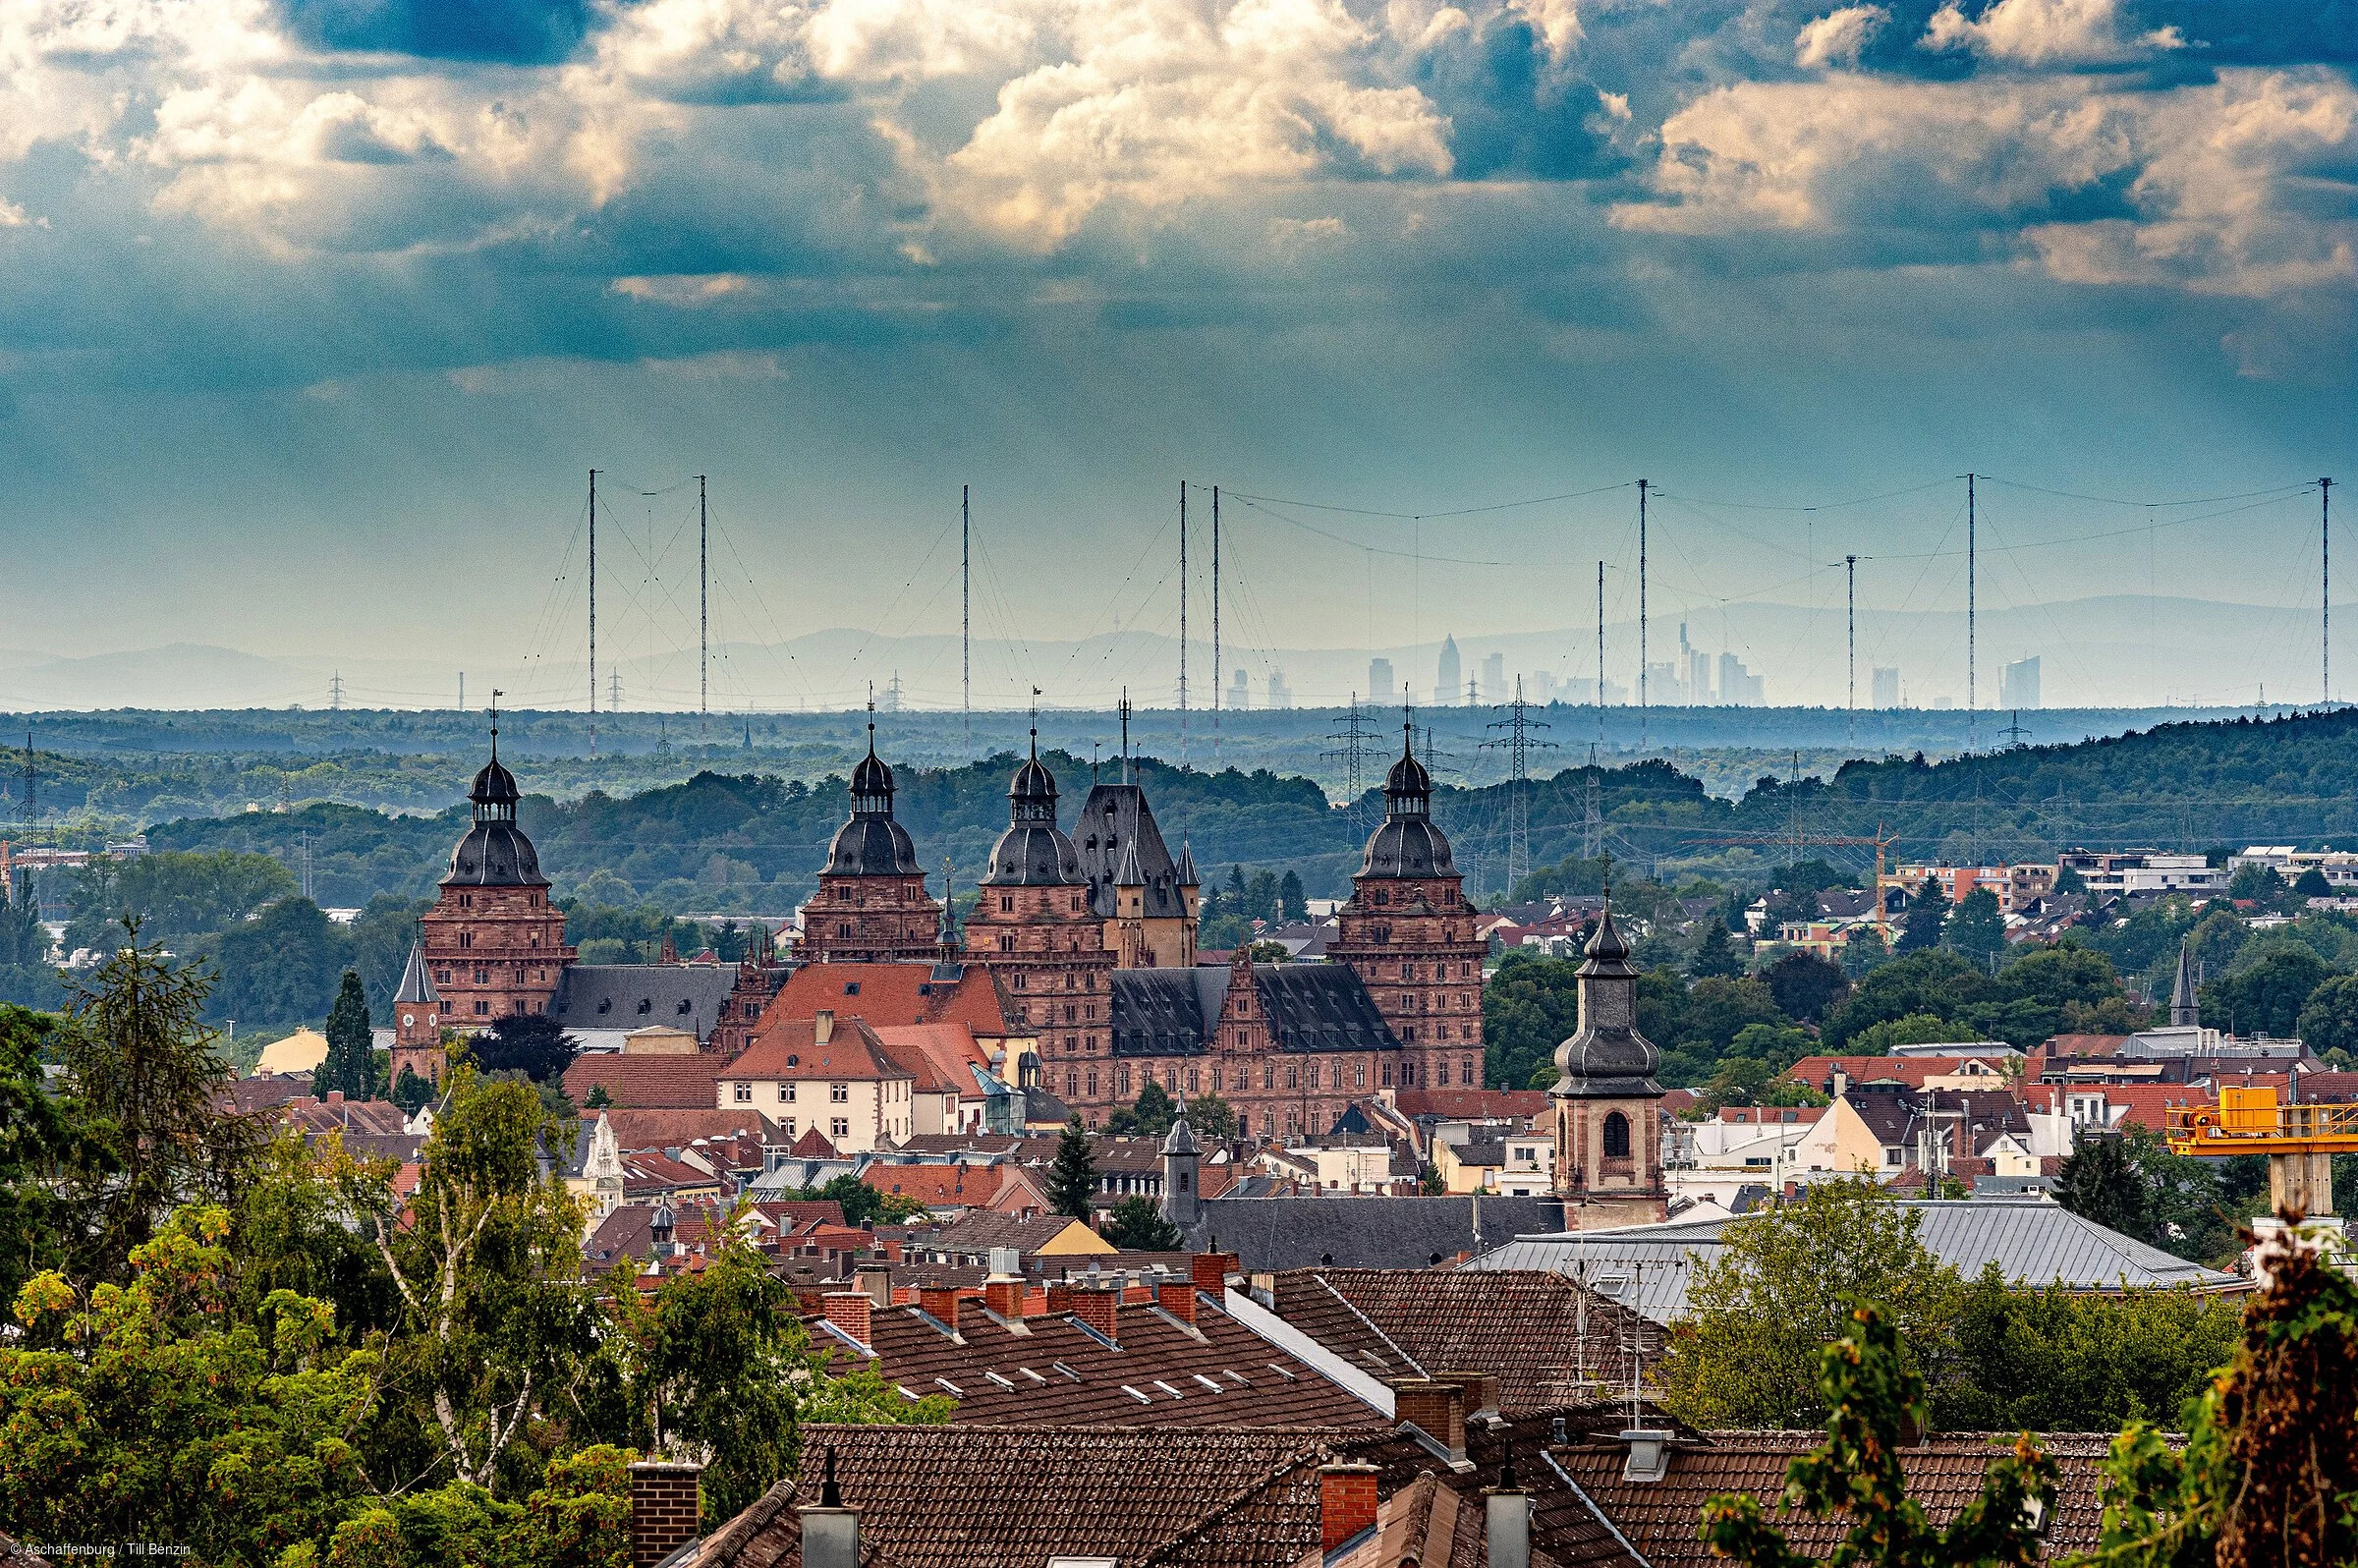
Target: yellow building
x,y
300,1052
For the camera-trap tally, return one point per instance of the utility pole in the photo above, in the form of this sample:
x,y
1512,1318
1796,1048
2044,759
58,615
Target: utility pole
x,y
593,615
2324,596
1182,623
703,614
1850,567
1973,718
335,692
966,617
1642,487
1518,746
1353,750
1216,626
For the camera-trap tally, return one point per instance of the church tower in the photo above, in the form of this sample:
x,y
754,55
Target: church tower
x,y
2185,1010
1036,928
872,904
493,942
417,1021
1607,1108
1408,931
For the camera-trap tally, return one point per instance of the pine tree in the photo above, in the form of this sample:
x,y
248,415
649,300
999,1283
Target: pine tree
x,y
1292,902
1926,914
1715,955
1073,1179
351,1064
412,1093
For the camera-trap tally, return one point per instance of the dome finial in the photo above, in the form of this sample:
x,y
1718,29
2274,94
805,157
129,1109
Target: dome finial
x,y
496,694
1035,724
871,718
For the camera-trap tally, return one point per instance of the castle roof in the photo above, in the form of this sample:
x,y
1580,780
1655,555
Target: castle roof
x,y
495,853
1121,846
1309,1007
1034,852
1408,845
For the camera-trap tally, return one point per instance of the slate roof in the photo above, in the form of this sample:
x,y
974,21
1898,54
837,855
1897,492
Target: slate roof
x,y
1549,1342
1289,1232
628,996
1054,1373
1115,819
1307,1007
649,1083
2032,1241
1660,1517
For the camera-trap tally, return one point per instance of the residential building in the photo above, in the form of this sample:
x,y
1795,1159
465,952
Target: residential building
x,y
832,1078
2339,868
2120,873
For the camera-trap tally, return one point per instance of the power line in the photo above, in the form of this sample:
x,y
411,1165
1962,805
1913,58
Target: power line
x,y
1518,744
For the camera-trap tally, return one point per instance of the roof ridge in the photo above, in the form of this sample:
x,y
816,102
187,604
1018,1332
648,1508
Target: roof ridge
x,y
1353,1310
1320,1453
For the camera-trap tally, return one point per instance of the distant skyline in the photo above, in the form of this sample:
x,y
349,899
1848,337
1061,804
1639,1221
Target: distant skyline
x,y
315,316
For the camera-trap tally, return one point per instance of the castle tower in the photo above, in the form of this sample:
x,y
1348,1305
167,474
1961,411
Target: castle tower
x,y
1037,930
1117,834
417,1021
1129,930
493,944
872,904
1607,1108
1408,931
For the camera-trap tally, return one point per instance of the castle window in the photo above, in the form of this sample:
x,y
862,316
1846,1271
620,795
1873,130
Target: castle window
x,y
785,1093
483,1009
1617,1137
1121,1080
1072,1083
1006,903
1465,1071
1359,1074
1293,1075
465,938
1093,1083
1007,945
1268,1075
1388,1075
1444,1074
482,976
1194,1080
1243,1080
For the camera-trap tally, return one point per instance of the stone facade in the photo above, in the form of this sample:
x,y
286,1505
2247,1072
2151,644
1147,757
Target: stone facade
x,y
872,904
1407,931
493,942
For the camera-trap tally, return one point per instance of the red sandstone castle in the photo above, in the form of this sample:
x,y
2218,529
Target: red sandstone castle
x,y
1091,948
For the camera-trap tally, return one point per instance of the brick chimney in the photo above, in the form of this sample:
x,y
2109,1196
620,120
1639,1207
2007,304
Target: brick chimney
x,y
665,1509
1101,1310
1347,1502
1481,1391
1437,1410
1178,1298
1211,1270
939,1303
1003,1290
851,1311
1060,1297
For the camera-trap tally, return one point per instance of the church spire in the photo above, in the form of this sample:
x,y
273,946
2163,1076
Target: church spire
x,y
2185,1010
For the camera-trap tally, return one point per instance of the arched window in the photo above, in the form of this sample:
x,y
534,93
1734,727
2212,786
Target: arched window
x,y
1617,1137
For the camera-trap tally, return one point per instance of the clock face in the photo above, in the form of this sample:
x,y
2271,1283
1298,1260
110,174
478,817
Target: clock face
x,y
407,1020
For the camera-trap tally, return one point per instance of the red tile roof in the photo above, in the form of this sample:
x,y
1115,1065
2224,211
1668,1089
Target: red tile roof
x,y
645,1082
937,1054
889,996
790,1048
670,1129
1497,1104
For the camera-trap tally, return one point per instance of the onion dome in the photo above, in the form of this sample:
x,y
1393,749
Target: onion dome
x,y
871,843
1608,1058
495,852
1408,845
1034,852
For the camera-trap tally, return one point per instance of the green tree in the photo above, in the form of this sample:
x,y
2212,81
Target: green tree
x,y
2056,1359
598,1098
1977,927
1211,1116
1863,952
1293,904
145,1068
1135,1225
2070,881
414,1094
864,1204
1529,1005
2310,884
532,1043
2265,996
1715,955
1805,986
1760,1314
281,966
1926,981
2260,884
351,1064
1073,1178
41,1133
1916,1029
1873,1395
1928,913
2268,1470
2100,1181
1155,1110
2329,1019
176,894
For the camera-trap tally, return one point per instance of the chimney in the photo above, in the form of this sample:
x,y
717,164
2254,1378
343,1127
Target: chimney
x,y
939,1303
1101,1310
1649,1458
665,1509
830,1531
1507,1518
1346,1503
1210,1271
1482,1392
851,1311
1840,1085
1435,1409
822,1027
1060,1297
1177,1299
1003,1291
876,1283
335,1096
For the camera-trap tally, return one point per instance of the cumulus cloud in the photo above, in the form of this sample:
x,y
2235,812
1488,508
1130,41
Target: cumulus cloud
x,y
2046,33
1837,37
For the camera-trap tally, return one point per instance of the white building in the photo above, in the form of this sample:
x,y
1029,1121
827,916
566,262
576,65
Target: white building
x,y
830,1078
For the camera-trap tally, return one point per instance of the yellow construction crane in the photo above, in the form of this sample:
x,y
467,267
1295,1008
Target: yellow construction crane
x,y
2299,1140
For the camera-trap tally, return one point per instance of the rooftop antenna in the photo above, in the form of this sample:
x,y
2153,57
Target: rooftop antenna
x,y
703,614
593,615
1035,724
1124,711
966,617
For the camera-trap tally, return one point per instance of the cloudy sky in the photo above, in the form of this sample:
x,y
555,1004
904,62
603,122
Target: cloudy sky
x,y
314,314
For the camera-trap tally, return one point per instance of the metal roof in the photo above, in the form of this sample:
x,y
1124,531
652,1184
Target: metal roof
x,y
2032,1241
